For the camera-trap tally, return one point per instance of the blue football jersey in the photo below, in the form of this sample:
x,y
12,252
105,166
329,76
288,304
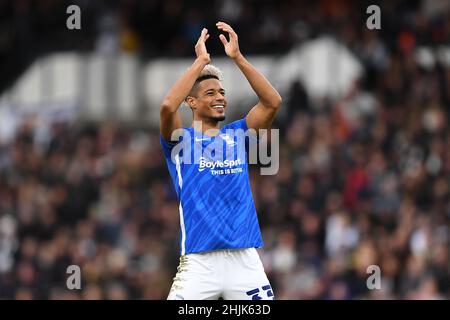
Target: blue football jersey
x,y
211,179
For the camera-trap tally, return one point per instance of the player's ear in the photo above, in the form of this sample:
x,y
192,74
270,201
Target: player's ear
x,y
191,102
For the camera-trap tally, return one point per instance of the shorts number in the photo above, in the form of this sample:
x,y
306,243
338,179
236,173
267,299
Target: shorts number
x,y
255,292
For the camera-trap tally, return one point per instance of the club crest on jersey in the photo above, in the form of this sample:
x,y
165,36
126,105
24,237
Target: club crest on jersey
x,y
229,141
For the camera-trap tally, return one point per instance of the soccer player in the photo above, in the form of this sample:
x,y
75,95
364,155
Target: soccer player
x,y
218,221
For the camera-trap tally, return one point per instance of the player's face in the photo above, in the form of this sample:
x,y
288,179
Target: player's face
x,y
210,102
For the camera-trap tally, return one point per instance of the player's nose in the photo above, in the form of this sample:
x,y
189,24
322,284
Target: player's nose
x,y
220,97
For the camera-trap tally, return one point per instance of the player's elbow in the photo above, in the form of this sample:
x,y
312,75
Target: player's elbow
x,y
167,107
274,102
278,101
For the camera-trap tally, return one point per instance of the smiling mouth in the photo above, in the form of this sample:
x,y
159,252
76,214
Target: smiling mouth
x,y
219,108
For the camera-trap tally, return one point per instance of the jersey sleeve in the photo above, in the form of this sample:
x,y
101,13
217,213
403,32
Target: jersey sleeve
x,y
167,146
239,124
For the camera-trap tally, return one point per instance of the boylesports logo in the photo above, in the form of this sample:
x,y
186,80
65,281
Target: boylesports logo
x,y
205,164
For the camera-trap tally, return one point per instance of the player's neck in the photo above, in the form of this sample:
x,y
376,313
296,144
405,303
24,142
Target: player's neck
x,y
210,127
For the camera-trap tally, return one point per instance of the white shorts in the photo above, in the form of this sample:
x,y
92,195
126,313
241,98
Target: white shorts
x,y
230,274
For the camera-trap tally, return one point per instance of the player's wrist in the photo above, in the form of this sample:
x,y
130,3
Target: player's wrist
x,y
204,59
238,57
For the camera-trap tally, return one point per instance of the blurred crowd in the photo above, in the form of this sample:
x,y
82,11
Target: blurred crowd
x,y
170,28
364,180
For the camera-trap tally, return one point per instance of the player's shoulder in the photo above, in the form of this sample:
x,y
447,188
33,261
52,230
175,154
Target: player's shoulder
x,y
238,124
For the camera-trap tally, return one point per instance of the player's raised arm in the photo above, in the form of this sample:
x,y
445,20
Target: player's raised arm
x,y
263,113
170,120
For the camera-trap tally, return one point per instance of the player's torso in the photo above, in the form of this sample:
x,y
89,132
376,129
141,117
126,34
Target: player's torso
x,y
212,181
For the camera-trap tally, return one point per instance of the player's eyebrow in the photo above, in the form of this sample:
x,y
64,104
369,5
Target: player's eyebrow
x,y
211,89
